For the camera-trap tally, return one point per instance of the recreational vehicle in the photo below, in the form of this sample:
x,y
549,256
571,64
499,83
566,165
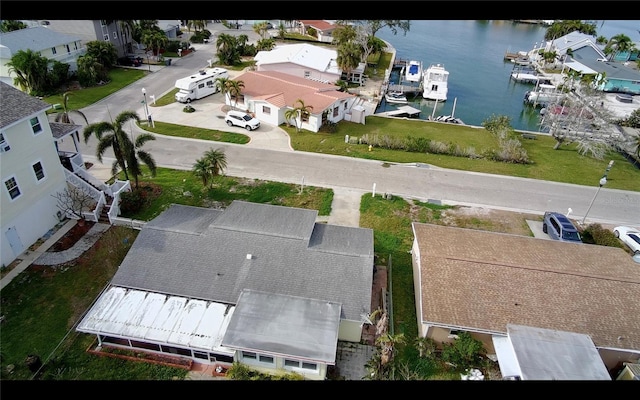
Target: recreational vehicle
x,y
197,86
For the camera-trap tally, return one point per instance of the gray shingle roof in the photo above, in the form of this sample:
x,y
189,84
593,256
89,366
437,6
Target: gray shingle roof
x,y
37,38
589,57
200,253
16,105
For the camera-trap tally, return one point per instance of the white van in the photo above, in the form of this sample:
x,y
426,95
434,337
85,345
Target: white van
x,y
195,87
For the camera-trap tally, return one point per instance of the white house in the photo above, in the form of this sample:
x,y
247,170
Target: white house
x,y
53,45
303,60
38,159
30,170
270,94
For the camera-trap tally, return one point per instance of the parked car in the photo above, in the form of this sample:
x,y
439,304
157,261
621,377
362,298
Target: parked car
x,y
130,61
559,227
630,236
242,119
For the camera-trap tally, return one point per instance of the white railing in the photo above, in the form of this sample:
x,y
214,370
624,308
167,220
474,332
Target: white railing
x,y
119,186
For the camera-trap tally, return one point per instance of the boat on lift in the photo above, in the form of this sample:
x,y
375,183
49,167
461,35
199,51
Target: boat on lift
x,y
413,71
396,98
435,84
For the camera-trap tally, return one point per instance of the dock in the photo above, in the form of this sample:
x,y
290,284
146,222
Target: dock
x,y
403,111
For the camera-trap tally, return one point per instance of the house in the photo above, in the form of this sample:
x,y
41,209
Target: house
x,y
320,29
61,47
303,60
91,30
263,285
39,159
481,282
269,94
579,53
308,61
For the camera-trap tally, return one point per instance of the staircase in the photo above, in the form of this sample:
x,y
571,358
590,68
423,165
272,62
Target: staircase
x,y
104,213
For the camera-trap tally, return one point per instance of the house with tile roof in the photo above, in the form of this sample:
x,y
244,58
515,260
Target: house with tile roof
x,y
481,282
39,159
269,94
259,284
319,28
53,45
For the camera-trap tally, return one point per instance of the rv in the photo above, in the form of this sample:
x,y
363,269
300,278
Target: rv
x,y
195,87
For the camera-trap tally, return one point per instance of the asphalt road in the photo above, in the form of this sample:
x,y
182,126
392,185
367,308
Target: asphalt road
x,y
422,182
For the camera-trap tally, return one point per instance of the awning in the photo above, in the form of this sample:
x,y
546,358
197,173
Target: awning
x,y
506,356
576,66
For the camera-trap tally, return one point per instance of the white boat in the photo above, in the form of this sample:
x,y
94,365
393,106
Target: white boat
x,y
435,83
396,98
413,71
543,94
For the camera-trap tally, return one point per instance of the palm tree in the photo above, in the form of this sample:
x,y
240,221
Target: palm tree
x,y
135,154
620,43
63,116
227,49
30,69
234,88
112,135
154,40
223,83
210,165
300,112
349,55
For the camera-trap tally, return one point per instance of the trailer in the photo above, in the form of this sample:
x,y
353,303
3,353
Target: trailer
x,y
202,84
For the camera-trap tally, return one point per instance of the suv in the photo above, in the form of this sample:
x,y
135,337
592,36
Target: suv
x,y
559,227
242,119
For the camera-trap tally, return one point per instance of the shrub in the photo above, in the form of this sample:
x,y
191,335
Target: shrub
x,y
465,352
188,108
133,201
596,234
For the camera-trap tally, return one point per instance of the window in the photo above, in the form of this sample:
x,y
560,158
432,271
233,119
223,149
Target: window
x,y
249,355
307,74
53,50
335,112
12,187
200,85
209,84
35,125
266,359
68,49
115,35
266,110
295,364
38,170
4,146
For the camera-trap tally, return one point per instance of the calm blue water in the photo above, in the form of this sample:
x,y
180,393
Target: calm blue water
x,y
479,77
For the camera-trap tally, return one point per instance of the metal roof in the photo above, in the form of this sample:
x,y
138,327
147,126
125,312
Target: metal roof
x,y
159,318
285,326
547,354
316,57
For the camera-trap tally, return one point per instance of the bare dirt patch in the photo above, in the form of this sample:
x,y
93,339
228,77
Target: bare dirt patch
x,y
489,220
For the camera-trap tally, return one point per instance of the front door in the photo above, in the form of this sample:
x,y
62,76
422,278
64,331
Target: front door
x,y
14,241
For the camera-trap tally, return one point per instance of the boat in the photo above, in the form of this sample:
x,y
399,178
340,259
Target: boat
x,y
396,98
543,94
435,83
413,71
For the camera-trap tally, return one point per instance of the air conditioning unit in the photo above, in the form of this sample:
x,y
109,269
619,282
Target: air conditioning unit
x,y
452,337
5,147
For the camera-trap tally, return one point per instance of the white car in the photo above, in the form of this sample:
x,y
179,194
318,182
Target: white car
x,y
630,237
242,119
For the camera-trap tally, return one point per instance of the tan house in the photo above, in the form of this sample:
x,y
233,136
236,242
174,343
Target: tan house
x,y
269,94
481,282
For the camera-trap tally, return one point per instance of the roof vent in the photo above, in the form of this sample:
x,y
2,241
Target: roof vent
x,y
249,256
